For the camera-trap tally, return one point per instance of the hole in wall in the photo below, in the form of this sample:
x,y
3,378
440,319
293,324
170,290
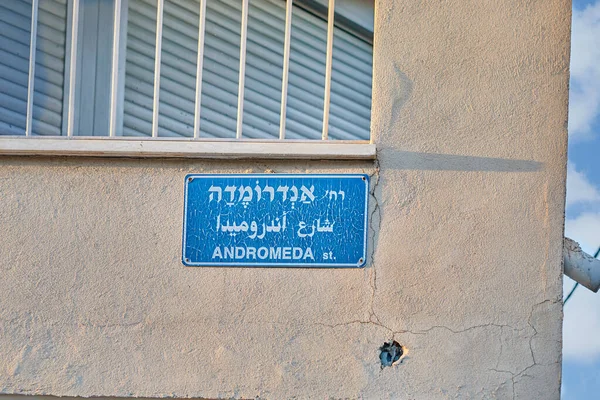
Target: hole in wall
x,y
390,352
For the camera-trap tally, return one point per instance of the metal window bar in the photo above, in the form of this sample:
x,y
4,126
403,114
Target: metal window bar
x,y
114,88
72,69
158,47
328,68
31,77
241,84
242,69
199,67
286,67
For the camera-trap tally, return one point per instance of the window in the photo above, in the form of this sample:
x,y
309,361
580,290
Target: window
x,y
185,69
49,79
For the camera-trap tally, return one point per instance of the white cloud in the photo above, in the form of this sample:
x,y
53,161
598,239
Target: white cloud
x,y
584,102
581,326
579,188
585,229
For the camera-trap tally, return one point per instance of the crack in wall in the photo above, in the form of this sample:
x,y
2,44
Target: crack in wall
x,y
374,227
375,323
514,376
501,346
425,331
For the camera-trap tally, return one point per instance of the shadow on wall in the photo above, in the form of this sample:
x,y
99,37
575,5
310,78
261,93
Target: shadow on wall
x,y
395,160
409,160
403,90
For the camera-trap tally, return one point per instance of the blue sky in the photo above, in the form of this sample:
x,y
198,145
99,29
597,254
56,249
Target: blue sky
x,y
581,337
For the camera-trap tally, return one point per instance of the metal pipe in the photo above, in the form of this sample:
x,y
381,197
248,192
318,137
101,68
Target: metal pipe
x,y
580,266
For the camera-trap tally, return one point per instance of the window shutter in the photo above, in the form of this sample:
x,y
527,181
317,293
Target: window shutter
x,y
350,110
15,17
351,77
139,68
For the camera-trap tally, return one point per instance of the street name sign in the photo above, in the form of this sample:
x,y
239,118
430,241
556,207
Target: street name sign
x,y
275,220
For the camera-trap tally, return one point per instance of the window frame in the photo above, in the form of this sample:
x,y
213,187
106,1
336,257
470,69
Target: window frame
x,y
104,146
170,147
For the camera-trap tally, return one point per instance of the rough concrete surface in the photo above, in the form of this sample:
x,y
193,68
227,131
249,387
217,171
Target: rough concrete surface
x,y
469,118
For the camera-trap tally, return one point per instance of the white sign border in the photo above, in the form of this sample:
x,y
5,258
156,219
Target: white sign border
x,y
364,177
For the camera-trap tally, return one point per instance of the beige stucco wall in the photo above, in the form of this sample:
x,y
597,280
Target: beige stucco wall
x,y
469,116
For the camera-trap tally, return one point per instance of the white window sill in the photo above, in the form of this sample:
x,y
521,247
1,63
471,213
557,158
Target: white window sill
x,y
186,148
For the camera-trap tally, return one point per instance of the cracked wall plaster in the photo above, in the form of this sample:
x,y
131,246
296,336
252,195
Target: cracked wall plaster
x,y
469,118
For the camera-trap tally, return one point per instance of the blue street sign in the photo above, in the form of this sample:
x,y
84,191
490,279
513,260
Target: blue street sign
x,y
275,220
